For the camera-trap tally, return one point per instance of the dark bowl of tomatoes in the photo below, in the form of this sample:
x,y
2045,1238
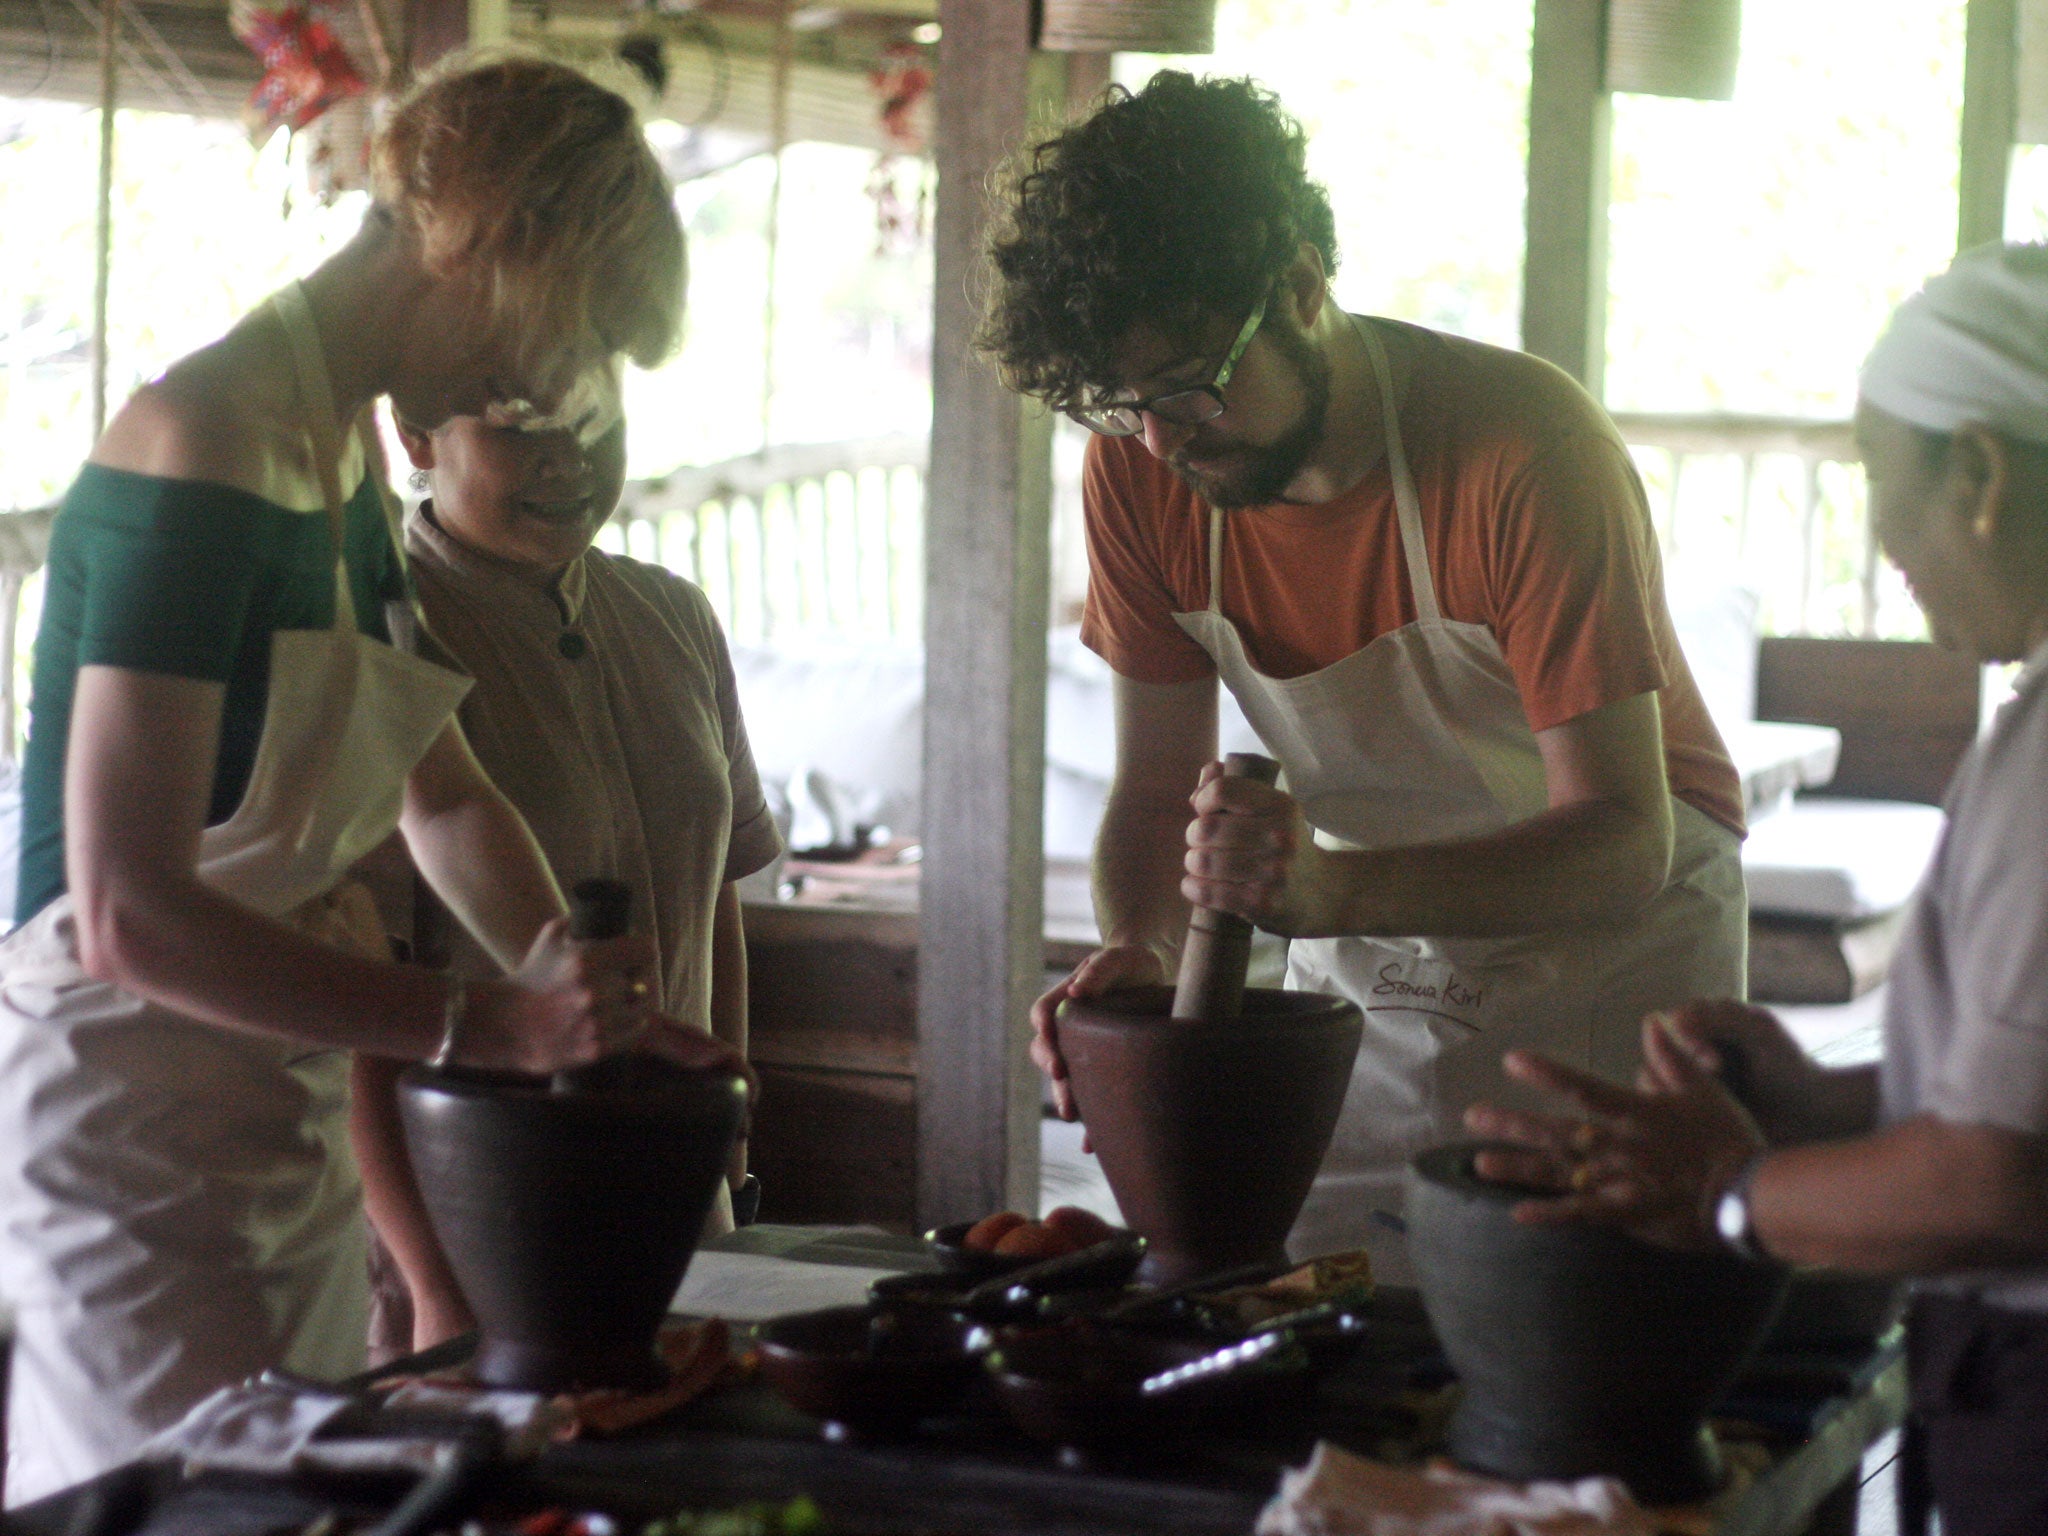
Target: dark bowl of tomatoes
x,y
1006,1242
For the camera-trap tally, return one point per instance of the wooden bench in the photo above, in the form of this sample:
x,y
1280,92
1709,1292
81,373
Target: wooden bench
x,y
1907,712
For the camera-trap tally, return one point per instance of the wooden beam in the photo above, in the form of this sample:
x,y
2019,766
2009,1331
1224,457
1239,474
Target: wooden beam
x,y
1564,263
1088,76
433,29
103,206
987,561
1991,59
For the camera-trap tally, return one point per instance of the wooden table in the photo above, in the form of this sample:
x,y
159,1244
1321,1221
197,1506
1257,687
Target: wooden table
x,y
960,1477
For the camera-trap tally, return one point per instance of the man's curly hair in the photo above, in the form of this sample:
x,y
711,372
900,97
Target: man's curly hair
x,y
1170,206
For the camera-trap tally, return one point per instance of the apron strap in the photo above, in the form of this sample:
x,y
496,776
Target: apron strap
x,y
1407,504
1216,561
317,396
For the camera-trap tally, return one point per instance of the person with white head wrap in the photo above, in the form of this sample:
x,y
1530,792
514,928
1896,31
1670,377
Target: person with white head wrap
x,y
1970,348
1933,1165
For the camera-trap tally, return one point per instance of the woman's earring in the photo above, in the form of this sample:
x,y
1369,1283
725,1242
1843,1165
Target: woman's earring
x,y
418,481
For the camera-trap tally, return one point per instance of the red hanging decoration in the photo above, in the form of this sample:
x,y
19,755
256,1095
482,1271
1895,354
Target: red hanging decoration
x,y
902,81
305,68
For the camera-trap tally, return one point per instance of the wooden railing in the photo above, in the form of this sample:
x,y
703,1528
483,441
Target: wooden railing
x,y
1775,503
824,541
804,540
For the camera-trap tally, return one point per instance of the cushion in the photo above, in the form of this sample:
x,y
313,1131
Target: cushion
x,y
838,731
1776,758
1716,626
1838,859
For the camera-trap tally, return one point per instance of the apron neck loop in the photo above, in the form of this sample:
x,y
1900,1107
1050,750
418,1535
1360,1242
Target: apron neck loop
x,y
1407,505
316,398
1216,560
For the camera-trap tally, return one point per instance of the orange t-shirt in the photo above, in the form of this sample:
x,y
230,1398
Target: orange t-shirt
x,y
1536,526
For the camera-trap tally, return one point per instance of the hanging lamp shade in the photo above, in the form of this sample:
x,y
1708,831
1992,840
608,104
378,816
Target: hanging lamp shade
x,y
1674,47
1128,26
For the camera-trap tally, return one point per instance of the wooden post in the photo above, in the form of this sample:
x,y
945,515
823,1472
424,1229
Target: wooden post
x,y
1564,265
434,28
1991,57
103,223
778,140
987,560
1088,76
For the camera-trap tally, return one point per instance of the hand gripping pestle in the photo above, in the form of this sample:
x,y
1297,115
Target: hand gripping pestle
x,y
1219,946
598,910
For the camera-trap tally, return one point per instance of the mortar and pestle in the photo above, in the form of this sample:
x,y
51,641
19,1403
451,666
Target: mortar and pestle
x,y
1582,1351
1210,1105
569,1206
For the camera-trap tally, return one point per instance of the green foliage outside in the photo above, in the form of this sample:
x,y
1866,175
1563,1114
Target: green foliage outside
x,y
1755,247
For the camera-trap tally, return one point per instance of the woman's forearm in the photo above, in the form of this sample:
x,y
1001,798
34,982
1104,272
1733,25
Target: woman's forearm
x,y
729,998
187,947
1838,1104
138,774
729,970
1924,1196
477,853
391,1198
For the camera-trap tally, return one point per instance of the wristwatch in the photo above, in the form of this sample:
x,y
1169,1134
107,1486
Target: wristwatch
x,y
1732,1218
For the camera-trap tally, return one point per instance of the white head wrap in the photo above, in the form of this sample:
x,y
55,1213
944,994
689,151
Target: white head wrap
x,y
1971,348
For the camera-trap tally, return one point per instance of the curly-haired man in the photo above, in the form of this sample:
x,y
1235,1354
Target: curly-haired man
x,y
1425,569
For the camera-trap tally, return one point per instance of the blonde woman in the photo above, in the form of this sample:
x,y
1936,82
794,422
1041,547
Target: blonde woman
x,y
221,725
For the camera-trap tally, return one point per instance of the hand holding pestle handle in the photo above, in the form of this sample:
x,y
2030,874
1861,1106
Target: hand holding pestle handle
x,y
1219,946
599,909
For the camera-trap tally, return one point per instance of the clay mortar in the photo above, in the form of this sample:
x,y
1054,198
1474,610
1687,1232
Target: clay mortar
x,y
1209,1134
1582,1351
569,1217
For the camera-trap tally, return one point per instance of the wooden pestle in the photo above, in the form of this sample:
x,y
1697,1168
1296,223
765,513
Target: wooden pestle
x,y
1219,946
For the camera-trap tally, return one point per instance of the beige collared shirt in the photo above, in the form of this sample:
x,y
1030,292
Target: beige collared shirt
x,y
605,708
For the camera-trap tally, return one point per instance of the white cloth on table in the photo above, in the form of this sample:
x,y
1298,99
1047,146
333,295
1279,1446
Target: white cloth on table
x,y
1339,1494
275,1428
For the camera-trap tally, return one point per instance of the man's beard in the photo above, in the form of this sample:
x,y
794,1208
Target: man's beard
x,y
1254,476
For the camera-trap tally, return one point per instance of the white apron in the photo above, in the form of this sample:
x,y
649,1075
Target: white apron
x,y
180,1205
1421,737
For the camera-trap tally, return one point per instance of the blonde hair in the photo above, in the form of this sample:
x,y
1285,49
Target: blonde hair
x,y
537,183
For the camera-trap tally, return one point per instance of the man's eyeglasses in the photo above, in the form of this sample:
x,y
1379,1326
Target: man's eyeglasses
x,y
1182,407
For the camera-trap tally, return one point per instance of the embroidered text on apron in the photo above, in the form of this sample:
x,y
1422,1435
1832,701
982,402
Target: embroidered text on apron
x,y
1421,737
180,1205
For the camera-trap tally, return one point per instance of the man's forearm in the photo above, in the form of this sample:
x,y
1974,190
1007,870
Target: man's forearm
x,y
1921,1197
1139,856
1591,863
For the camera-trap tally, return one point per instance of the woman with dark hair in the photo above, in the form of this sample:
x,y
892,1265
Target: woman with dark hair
x,y
606,709
225,717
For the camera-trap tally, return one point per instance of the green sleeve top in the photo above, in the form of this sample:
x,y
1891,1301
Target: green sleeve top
x,y
188,579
